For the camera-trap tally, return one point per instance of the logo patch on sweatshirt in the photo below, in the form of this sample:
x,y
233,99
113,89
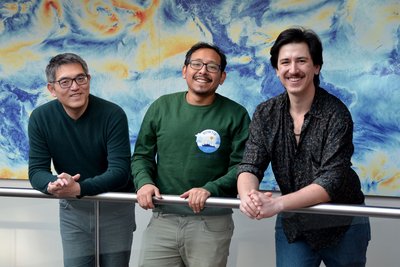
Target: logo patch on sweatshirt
x,y
208,141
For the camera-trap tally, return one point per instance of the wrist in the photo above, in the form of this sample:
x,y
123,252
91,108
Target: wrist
x,y
48,188
280,204
78,191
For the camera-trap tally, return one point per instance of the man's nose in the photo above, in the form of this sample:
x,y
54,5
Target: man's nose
x,y
293,67
203,68
74,85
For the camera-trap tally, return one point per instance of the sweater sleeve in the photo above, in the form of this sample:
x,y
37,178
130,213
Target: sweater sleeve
x,y
143,162
39,156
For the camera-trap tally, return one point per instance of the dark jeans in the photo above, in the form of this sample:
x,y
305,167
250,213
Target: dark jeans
x,y
350,251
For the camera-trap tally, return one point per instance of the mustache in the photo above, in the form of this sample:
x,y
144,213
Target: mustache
x,y
296,75
206,77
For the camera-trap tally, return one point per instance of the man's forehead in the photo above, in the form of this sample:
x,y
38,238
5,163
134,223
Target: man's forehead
x,y
298,49
69,69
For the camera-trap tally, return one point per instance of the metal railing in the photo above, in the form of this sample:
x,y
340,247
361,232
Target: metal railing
x,y
333,209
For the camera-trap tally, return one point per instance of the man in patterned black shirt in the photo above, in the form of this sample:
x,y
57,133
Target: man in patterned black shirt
x,y
306,134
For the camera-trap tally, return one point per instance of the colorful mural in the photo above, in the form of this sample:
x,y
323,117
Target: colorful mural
x,y
135,51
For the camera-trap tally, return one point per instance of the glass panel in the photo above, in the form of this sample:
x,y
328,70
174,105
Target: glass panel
x,y
29,232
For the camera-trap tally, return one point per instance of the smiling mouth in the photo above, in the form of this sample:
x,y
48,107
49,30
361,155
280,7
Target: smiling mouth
x,y
294,79
202,79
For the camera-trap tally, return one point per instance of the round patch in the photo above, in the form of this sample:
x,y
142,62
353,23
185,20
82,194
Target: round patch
x,y
208,141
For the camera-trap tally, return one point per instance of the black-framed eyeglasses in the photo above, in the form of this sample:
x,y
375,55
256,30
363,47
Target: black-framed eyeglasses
x,y
66,83
210,67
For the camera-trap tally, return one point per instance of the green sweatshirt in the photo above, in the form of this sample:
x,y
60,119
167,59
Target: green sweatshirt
x,y
181,146
96,146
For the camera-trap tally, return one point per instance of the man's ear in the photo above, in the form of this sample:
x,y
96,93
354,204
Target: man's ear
x,y
51,89
317,69
223,77
184,72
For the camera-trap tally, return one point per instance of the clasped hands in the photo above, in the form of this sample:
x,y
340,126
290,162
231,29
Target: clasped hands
x,y
66,185
258,205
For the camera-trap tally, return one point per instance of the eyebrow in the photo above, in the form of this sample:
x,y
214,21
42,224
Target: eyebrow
x,y
199,59
68,77
297,58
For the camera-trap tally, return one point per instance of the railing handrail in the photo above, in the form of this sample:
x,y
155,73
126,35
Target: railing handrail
x,y
332,209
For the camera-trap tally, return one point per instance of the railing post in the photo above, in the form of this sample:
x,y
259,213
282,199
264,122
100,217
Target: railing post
x,y
97,232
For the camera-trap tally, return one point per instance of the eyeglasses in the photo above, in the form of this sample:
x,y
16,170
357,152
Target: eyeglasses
x,y
66,83
210,67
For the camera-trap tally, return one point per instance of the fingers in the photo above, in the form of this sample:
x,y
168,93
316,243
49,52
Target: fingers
x,y
62,189
197,202
64,179
266,204
76,177
145,200
52,187
157,193
257,205
185,195
268,194
197,198
248,207
145,196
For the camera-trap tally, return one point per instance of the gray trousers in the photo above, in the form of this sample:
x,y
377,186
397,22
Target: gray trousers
x,y
194,241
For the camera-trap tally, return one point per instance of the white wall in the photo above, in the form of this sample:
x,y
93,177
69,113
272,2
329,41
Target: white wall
x,y
29,235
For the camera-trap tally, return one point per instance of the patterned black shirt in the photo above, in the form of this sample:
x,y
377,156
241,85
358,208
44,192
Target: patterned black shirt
x,y
322,156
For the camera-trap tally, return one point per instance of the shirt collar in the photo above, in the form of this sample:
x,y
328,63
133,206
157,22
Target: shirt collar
x,y
315,109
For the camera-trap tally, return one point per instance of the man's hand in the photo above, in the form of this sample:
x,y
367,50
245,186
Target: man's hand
x,y
267,206
248,206
145,196
197,198
65,186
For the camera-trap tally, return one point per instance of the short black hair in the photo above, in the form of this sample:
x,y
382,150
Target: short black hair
x,y
62,59
299,35
201,45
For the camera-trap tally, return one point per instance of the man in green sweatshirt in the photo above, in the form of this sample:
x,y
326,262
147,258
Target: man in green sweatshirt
x,y
190,144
